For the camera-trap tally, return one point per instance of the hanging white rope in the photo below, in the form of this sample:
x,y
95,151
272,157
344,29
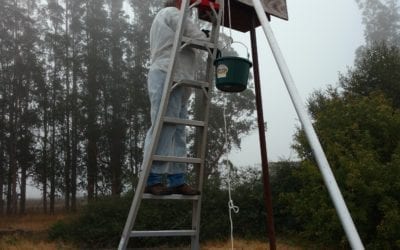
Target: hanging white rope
x,y
231,205
229,19
230,40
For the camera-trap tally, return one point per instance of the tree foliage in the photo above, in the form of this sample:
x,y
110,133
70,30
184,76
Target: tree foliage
x,y
358,129
357,124
381,19
376,69
360,138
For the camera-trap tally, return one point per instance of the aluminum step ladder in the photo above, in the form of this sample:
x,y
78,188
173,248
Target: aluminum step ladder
x,y
215,8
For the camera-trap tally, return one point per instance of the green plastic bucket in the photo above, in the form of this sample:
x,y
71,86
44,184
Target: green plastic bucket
x,y
232,73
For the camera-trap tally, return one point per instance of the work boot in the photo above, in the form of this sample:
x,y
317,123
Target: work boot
x,y
184,189
157,189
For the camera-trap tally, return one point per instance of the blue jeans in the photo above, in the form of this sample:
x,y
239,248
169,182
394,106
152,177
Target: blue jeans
x,y
173,180
172,141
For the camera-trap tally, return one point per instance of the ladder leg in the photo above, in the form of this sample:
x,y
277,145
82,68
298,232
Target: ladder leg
x,y
196,212
195,245
134,206
161,119
147,161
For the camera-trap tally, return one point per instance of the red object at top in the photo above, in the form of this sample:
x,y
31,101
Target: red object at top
x,y
205,5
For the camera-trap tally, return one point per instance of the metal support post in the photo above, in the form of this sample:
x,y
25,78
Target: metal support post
x,y
263,144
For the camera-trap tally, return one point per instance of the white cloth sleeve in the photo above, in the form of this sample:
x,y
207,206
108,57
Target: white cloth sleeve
x,y
190,30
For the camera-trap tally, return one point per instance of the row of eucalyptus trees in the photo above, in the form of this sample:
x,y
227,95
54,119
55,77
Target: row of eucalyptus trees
x,y
73,101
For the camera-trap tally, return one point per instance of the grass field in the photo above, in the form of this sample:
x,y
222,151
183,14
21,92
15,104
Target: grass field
x,y
240,244
28,232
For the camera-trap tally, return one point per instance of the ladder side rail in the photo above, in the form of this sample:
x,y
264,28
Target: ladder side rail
x,y
319,154
147,161
210,78
202,149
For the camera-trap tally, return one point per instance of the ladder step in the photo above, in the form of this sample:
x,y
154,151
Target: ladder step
x,y
176,159
163,233
198,44
184,121
170,197
193,83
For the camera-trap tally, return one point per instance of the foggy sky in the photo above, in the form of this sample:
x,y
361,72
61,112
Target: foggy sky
x,y
318,42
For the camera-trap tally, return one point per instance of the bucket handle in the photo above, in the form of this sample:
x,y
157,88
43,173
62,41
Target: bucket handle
x,y
219,52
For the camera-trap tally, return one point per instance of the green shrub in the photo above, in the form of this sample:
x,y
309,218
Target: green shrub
x,y
99,224
60,230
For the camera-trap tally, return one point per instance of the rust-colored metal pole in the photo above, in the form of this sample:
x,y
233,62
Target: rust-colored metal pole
x,y
263,145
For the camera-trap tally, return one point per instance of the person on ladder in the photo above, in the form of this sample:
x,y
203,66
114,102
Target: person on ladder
x,y
172,139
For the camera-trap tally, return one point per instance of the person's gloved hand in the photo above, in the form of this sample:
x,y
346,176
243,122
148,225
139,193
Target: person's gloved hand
x,y
207,32
219,53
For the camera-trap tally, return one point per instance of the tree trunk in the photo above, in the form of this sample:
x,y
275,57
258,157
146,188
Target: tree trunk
x,y
44,155
74,106
22,201
13,128
92,133
67,171
117,126
44,181
2,172
14,171
52,171
13,151
53,158
92,86
92,162
67,181
9,192
116,157
74,132
2,161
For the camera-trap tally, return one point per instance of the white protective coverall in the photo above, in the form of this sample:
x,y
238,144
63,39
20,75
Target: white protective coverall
x,y
172,140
